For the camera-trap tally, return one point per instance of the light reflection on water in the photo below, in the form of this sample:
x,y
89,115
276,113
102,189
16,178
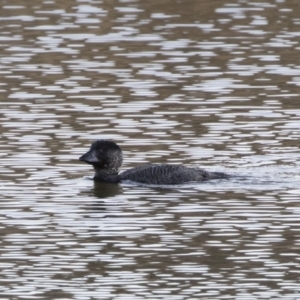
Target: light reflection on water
x,y
212,85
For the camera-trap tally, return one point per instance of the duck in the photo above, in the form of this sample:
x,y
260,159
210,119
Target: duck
x,y
106,157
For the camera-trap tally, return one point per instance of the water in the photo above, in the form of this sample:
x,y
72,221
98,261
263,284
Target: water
x,y
204,83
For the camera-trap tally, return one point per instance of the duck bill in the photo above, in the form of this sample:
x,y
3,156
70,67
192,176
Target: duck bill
x,y
89,157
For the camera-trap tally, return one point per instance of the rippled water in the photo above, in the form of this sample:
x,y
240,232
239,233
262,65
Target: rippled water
x,y
203,83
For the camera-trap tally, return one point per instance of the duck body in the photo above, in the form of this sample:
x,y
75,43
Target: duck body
x,y
168,174
106,158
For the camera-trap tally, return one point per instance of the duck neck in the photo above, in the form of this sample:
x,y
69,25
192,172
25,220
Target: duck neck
x,y
105,176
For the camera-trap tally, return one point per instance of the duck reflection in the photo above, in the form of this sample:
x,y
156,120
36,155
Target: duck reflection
x,y
104,190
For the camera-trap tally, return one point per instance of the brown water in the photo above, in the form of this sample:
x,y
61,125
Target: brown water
x,y
203,83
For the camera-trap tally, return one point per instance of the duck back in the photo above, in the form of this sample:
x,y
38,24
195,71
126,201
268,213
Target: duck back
x,y
168,174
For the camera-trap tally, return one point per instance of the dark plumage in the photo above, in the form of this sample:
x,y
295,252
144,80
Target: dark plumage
x,y
106,158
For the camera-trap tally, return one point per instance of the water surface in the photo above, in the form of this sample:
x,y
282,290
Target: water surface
x,y
203,83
